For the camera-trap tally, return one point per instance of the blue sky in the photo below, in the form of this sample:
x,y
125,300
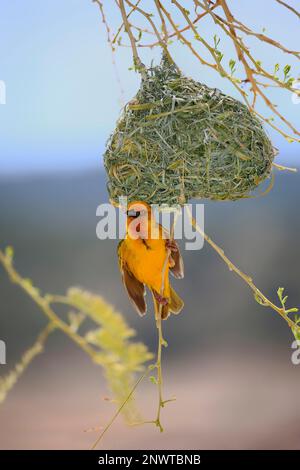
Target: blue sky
x,y
62,96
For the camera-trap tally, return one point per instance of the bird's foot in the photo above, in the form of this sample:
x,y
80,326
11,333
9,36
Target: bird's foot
x,y
171,245
160,299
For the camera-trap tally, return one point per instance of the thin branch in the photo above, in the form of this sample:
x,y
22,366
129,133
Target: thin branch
x,y
286,5
148,16
184,29
262,37
109,40
161,341
163,23
250,73
7,382
231,26
157,365
119,410
184,40
121,26
244,49
44,305
259,296
241,49
136,58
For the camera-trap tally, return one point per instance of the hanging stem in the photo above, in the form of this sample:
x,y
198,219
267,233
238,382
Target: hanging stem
x,y
182,30
161,343
161,340
110,423
157,365
159,373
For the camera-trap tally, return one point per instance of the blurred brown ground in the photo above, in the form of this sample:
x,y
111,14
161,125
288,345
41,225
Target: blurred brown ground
x,y
238,400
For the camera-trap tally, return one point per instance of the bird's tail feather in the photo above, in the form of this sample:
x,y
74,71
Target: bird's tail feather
x,y
176,303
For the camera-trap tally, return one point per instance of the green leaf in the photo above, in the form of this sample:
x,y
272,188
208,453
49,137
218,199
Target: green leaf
x,y
296,334
290,81
276,69
259,300
153,379
216,41
286,71
280,291
75,320
292,310
219,55
9,252
283,300
232,64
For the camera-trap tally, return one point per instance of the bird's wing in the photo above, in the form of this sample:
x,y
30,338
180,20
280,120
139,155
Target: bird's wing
x,y
135,289
178,269
177,266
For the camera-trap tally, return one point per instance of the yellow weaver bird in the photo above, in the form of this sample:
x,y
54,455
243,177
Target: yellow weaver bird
x,y
146,255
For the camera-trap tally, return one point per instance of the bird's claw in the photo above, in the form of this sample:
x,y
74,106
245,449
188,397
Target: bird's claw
x,y
171,245
160,299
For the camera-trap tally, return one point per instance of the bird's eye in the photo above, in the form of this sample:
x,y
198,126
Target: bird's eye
x,y
133,214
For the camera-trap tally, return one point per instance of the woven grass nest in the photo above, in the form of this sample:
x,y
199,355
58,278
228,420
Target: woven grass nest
x,y
179,139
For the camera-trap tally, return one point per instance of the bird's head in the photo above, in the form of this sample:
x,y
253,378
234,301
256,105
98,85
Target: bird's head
x,y
139,216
